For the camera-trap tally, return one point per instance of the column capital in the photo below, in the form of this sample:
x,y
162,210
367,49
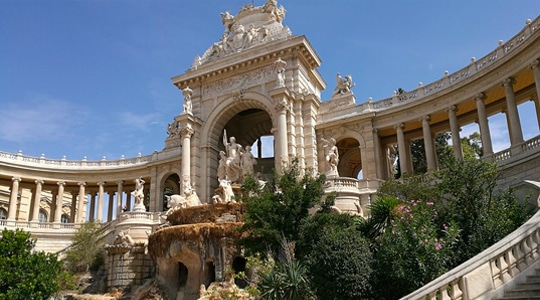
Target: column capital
x,y
120,182
16,179
282,106
510,81
451,108
61,183
187,131
535,64
480,96
425,118
39,182
399,126
102,183
376,130
81,183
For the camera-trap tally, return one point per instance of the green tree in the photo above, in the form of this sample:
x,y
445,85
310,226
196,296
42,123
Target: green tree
x,y
86,250
472,146
277,210
483,215
25,273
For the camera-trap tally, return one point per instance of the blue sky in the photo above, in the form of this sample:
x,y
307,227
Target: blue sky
x,y
92,78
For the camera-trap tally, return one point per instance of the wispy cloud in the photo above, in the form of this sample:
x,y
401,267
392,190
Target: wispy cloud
x,y
39,118
139,121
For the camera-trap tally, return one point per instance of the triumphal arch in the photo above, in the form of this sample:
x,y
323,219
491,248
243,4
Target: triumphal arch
x,y
251,105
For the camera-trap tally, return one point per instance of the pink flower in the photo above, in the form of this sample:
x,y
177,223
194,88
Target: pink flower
x,y
438,246
429,203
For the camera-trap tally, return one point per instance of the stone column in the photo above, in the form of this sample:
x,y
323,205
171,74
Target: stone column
x,y
101,193
92,213
454,129
429,147
110,206
37,201
283,155
119,198
80,204
402,150
73,209
378,154
12,212
59,201
536,70
516,134
487,147
186,133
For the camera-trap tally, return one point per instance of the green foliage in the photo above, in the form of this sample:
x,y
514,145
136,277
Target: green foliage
x,y
340,264
86,251
382,211
415,251
482,216
278,209
287,281
24,273
472,146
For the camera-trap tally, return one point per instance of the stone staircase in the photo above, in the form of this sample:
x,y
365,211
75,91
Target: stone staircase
x,y
528,290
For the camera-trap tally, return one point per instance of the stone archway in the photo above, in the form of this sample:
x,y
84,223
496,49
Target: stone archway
x,y
246,119
350,163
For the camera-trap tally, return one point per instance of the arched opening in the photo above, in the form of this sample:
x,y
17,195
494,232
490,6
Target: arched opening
x,y
210,273
182,275
239,265
350,162
3,214
64,218
252,130
42,216
171,186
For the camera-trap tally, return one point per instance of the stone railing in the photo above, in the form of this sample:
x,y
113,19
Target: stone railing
x,y
341,184
482,277
531,29
527,148
63,163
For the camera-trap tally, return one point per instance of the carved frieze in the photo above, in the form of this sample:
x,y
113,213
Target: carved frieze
x,y
239,82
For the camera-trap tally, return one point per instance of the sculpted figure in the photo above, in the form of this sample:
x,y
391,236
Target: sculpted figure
x,y
122,238
138,193
248,160
343,85
232,164
227,19
188,106
332,155
280,68
222,167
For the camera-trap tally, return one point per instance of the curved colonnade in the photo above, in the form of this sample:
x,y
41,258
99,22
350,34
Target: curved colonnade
x,y
44,195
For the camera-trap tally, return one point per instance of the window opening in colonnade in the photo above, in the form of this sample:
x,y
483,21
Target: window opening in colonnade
x,y
171,186
42,216
529,120
64,218
3,214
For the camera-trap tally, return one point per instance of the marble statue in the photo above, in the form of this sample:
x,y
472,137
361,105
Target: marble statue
x,y
233,169
188,106
226,195
332,155
343,85
247,162
138,193
280,69
222,166
123,238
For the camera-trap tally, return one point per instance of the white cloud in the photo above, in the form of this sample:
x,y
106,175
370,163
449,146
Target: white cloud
x,y
141,121
39,118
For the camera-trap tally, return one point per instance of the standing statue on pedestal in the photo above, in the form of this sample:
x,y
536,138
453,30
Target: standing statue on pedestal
x,y
188,106
233,169
332,155
138,194
280,69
